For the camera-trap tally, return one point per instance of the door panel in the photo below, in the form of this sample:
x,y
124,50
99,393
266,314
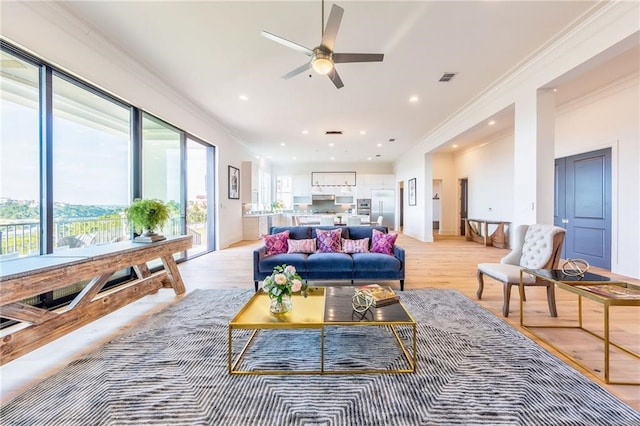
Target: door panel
x,y
583,206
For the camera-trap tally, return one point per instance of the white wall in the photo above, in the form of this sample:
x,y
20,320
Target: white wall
x,y
489,170
48,32
610,118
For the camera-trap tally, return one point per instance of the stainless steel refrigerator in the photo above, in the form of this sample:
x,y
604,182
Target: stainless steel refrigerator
x,y
383,203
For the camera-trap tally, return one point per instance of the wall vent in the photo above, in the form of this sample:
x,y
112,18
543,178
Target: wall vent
x,y
447,76
333,132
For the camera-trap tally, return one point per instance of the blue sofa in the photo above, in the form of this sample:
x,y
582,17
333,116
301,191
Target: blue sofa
x,y
332,266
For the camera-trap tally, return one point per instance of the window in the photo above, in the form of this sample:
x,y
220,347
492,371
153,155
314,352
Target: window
x,y
161,169
19,158
284,191
91,167
200,190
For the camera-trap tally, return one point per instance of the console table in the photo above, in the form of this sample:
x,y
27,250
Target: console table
x,y
594,287
27,277
478,230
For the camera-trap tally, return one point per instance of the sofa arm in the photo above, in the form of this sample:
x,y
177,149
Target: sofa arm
x,y
399,253
258,255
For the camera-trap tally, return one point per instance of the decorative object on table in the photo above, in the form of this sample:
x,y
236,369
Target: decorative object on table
x,y
146,215
575,267
380,295
280,285
234,183
361,301
412,192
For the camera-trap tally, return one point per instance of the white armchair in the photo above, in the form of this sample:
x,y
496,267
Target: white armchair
x,y
536,247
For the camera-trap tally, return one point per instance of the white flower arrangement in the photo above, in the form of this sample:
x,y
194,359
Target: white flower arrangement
x,y
284,281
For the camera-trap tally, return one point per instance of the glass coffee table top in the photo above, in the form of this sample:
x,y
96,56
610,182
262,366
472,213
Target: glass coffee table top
x,y
338,309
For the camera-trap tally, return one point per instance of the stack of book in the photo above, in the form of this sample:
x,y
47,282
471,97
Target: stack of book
x,y
382,295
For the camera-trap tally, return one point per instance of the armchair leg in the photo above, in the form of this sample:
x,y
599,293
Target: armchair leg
x,y
480,284
507,297
255,283
401,285
551,300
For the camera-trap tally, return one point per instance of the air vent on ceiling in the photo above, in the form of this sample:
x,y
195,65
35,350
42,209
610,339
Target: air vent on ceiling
x,y
447,76
333,132
392,139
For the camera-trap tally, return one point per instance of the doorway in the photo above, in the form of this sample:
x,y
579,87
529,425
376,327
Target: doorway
x,y
464,204
582,206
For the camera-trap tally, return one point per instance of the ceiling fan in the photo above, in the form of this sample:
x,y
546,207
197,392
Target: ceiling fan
x,y
323,58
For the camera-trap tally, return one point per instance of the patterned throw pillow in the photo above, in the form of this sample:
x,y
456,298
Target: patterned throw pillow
x,y
382,243
329,241
355,246
276,243
302,246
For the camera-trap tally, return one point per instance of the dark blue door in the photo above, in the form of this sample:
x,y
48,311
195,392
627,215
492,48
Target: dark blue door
x,y
583,206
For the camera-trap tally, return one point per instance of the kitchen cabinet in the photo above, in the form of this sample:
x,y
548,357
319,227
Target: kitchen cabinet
x,y
344,199
254,227
249,182
301,189
368,182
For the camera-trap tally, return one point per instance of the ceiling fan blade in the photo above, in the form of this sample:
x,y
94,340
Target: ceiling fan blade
x,y
285,42
335,78
331,29
341,58
297,71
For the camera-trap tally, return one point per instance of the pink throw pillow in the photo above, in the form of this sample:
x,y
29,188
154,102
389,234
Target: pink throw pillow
x,y
355,246
302,246
382,243
329,241
276,243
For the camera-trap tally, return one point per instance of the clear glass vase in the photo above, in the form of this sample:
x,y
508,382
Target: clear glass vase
x,y
281,307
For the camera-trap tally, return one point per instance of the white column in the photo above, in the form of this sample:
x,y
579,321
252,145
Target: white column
x,y
534,157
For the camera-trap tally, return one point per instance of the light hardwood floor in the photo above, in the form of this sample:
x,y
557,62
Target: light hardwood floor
x,y
447,263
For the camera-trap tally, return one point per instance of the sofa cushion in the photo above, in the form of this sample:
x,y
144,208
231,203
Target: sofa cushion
x,y
298,260
295,232
360,232
355,246
276,243
329,262
375,262
315,229
329,241
382,243
302,246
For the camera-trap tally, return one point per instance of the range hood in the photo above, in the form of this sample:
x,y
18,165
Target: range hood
x,y
323,197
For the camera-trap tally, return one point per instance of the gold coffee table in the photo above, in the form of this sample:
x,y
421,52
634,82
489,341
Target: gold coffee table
x,y
324,309
597,288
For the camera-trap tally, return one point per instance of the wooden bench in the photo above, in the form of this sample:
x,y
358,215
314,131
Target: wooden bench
x,y
27,277
478,230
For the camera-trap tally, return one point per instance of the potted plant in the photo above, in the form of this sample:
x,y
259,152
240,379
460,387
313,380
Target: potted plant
x,y
146,215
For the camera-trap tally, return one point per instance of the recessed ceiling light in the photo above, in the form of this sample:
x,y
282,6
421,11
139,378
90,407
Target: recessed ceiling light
x,y
492,122
282,144
243,97
379,144
293,158
332,158
362,132
414,98
455,145
331,144
305,132
368,158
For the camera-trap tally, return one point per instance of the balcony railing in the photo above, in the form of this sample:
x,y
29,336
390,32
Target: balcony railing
x,y
23,238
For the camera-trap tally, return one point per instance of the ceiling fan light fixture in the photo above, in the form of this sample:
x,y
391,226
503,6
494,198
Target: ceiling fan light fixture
x,y
322,65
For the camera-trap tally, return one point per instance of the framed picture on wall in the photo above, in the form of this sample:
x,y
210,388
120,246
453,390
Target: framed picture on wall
x,y
234,183
412,192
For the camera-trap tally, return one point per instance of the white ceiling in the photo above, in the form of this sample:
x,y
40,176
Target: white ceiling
x,y
212,52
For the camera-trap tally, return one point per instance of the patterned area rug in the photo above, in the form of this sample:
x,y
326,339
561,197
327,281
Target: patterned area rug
x,y
473,369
